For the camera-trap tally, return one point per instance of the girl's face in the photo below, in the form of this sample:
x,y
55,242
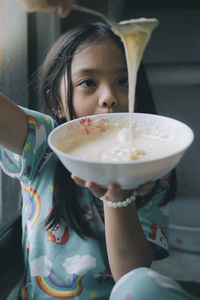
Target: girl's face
x,y
99,81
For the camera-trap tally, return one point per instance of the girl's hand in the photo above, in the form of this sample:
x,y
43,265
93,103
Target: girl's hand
x,y
114,192
64,6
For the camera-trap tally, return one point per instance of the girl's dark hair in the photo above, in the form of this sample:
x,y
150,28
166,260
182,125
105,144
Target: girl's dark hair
x,y
57,63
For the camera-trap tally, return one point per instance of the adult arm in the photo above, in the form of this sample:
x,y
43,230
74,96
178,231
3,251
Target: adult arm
x,y
64,6
13,125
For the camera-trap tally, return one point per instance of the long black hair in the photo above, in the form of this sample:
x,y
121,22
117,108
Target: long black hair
x,y
57,63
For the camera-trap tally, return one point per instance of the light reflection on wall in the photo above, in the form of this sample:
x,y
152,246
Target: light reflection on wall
x,y
13,50
3,7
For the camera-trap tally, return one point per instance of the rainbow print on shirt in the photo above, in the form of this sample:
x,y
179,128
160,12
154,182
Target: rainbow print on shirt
x,y
34,205
39,131
24,294
33,124
58,290
76,267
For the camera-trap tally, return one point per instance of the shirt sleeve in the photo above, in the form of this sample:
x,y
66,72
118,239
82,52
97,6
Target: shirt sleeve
x,y
25,166
154,218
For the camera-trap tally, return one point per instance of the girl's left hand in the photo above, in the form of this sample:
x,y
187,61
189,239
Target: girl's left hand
x,y
114,192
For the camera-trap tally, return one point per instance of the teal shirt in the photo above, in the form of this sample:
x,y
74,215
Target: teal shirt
x,y
59,264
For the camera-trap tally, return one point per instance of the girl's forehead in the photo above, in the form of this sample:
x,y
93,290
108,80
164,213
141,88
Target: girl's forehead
x,y
99,53
100,41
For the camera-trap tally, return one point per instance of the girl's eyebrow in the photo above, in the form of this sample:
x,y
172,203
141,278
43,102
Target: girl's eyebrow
x,y
87,71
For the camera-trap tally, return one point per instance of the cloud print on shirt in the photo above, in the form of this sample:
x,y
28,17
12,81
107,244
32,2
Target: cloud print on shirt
x,y
79,265
40,266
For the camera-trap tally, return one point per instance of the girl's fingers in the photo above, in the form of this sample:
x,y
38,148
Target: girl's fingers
x,y
96,190
114,192
78,180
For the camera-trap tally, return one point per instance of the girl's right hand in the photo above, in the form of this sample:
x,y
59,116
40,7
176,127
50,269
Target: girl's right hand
x,y
64,6
114,193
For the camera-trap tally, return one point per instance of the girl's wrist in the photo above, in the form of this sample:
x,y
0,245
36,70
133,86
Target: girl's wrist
x,y
124,203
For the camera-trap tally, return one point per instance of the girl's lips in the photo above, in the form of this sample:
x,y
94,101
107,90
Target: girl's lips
x,y
111,110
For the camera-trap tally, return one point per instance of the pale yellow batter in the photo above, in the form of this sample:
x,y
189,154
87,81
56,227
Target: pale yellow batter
x,y
113,144
135,35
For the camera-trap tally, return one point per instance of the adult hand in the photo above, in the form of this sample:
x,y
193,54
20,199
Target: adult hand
x,y
64,6
114,192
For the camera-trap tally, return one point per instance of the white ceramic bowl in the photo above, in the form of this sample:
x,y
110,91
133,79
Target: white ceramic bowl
x,y
128,174
184,227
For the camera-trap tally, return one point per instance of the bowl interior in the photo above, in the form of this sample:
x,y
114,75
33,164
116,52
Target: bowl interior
x,y
162,127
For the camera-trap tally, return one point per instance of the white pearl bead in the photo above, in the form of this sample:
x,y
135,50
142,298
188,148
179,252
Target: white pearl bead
x,y
120,203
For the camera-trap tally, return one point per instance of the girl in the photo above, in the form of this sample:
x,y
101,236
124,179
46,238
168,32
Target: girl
x,y
75,245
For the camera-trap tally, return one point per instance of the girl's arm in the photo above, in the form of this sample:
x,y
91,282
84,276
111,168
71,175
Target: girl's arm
x,y
13,125
127,246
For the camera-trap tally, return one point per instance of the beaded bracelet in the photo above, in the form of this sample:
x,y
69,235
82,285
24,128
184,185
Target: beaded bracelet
x,y
120,203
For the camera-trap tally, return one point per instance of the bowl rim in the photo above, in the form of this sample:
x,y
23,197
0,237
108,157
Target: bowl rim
x,y
131,162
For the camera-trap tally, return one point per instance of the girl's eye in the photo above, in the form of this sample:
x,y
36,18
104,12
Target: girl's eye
x,y
88,83
123,82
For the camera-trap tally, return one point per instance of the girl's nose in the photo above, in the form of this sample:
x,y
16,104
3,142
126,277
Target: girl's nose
x,y
108,99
